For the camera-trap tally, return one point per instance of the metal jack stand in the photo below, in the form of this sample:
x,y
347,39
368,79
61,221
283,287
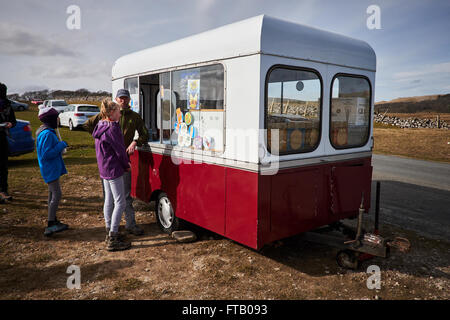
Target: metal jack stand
x,y
362,245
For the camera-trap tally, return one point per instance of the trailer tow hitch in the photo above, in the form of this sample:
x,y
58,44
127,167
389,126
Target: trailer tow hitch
x,y
363,246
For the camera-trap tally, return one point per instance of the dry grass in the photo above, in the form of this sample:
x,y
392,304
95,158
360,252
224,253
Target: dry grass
x,y
426,144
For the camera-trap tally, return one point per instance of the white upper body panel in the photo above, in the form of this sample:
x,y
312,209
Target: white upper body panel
x,y
260,34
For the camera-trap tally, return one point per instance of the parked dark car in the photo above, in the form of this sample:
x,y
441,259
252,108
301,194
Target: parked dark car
x,y
20,140
18,106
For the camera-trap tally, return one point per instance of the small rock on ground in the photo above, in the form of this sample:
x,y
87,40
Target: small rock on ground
x,y
184,236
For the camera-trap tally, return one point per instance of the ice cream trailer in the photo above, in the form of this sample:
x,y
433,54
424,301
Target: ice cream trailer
x,y
259,130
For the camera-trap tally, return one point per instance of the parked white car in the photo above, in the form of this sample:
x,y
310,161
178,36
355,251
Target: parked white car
x,y
76,115
59,105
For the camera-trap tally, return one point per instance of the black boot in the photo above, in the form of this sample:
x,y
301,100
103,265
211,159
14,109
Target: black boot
x,y
117,243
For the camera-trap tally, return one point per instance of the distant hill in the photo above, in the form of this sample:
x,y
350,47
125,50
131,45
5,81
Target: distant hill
x,y
431,103
80,94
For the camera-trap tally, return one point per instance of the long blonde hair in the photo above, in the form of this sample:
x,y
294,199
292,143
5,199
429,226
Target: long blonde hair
x,y
107,108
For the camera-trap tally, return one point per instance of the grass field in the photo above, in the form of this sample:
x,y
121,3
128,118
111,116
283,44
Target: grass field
x,y
81,144
425,144
80,158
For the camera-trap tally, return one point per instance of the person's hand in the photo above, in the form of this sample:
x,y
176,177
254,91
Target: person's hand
x,y
8,125
131,148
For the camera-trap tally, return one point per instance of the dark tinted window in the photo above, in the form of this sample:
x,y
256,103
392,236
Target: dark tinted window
x,y
88,109
59,104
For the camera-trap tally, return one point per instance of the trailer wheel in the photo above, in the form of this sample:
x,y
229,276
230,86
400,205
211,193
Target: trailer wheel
x,y
165,216
347,259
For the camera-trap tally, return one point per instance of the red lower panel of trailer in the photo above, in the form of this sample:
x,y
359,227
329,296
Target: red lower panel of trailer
x,y
251,208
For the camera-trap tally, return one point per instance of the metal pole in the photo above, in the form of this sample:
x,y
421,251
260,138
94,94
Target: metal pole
x,y
360,217
377,208
170,108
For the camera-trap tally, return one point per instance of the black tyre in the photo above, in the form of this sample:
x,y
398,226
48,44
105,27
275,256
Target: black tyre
x,y
347,259
71,127
165,215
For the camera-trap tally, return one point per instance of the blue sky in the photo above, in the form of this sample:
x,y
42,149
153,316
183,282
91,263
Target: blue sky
x,y
37,51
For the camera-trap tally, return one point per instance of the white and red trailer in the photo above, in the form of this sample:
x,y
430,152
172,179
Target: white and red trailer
x,y
259,130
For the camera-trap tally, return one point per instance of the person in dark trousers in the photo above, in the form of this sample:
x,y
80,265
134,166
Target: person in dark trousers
x,y
130,122
7,121
49,153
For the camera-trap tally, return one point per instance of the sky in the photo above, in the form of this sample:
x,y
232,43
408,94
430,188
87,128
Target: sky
x,y
38,51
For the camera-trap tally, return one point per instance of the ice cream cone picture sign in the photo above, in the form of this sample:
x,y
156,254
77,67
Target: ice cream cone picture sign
x,y
193,93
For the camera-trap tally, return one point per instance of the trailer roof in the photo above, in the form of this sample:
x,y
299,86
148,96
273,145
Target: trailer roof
x,y
261,34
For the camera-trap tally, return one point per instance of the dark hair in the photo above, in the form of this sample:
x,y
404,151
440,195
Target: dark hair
x,y
3,90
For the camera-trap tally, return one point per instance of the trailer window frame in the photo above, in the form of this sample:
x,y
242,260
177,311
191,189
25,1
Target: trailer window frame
x,y
369,124
172,69
266,98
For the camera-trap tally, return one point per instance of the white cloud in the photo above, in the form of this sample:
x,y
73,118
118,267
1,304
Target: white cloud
x,y
423,71
73,70
15,40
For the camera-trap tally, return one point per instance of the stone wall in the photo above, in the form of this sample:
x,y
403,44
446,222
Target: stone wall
x,y
411,122
81,98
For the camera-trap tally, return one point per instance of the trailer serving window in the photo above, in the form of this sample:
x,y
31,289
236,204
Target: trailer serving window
x,y
350,111
185,107
198,115
293,108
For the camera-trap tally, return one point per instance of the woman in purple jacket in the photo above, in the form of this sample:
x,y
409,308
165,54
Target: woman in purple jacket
x,y
112,160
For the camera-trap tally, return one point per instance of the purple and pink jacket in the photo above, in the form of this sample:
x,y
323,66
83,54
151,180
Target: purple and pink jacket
x,y
112,158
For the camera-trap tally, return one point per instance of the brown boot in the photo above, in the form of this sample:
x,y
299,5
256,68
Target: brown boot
x,y
117,243
121,236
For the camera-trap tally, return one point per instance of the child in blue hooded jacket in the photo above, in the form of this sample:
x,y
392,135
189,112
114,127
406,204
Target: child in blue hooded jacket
x,y
49,150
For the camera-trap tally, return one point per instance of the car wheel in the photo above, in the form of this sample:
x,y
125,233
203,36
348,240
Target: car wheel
x,y
165,216
71,127
20,108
